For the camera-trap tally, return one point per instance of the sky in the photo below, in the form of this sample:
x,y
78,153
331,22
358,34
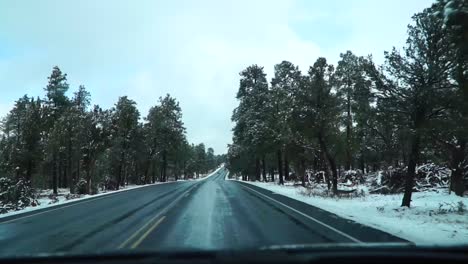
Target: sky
x,y
193,50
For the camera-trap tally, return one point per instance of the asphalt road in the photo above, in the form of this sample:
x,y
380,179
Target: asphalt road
x,y
213,213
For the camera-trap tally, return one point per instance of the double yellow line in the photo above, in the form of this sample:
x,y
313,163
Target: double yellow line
x,y
145,234
139,236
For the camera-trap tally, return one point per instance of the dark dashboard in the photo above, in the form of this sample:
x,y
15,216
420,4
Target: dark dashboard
x,y
296,255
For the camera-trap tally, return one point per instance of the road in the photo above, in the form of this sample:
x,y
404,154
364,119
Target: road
x,y
213,213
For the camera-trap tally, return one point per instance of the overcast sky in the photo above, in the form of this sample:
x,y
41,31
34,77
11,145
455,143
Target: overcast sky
x,y
193,50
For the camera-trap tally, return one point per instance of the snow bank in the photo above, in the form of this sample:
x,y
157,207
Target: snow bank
x,y
434,218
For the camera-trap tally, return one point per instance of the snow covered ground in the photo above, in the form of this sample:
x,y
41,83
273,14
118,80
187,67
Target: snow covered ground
x,y
434,218
47,200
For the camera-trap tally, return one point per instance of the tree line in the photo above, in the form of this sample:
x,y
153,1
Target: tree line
x,y
358,115
62,142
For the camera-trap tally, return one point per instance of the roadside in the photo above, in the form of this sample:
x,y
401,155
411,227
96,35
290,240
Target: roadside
x,y
46,199
434,214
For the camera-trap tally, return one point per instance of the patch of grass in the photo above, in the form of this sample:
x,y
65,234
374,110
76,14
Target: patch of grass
x,y
316,191
449,208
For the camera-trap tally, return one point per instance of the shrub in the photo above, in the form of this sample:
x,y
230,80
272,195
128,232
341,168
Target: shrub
x,y
15,195
81,186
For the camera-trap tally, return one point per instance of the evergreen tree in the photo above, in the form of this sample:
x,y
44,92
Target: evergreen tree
x,y
418,84
123,132
287,79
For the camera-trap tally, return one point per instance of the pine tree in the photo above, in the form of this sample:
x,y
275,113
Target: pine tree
x,y
353,89
253,117
286,81
418,88
55,104
123,131
23,137
165,131
323,113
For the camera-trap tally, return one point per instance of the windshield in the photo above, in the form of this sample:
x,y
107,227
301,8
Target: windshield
x,y
228,125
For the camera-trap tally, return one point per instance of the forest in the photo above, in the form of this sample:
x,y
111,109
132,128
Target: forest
x,y
57,141
358,117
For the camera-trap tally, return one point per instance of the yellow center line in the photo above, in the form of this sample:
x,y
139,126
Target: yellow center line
x,y
164,210
147,233
137,232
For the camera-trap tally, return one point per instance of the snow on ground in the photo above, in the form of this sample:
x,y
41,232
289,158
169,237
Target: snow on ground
x,y
434,217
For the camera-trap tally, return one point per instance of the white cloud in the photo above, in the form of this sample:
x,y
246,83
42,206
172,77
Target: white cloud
x,y
193,50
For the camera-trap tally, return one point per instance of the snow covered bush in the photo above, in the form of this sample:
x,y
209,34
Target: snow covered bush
x,y
314,190
71,196
388,181
15,195
318,177
353,177
81,186
428,176
431,175
109,184
449,208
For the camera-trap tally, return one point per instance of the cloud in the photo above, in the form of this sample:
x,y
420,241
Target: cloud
x,y
193,50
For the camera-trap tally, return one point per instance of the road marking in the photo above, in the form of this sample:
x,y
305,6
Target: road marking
x,y
51,210
134,245
308,216
78,202
138,231
163,211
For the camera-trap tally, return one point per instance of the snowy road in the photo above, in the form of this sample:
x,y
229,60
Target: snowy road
x,y
208,214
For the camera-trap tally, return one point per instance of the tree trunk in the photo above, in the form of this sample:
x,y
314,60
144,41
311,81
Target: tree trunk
x,y
65,181
286,166
331,163
362,162
413,159
69,176
136,175
302,172
257,169
280,167
315,163
327,178
54,174
164,166
153,171
78,170
348,134
264,174
161,173
119,175
147,165
456,180
88,180
29,171
59,174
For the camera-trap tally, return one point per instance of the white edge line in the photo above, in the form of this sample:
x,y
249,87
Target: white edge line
x,y
308,216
